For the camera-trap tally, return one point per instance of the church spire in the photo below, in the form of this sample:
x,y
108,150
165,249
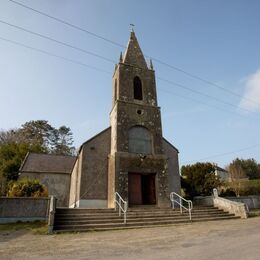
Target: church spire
x,y
133,54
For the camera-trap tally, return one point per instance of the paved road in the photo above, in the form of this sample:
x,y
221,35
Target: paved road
x,y
230,239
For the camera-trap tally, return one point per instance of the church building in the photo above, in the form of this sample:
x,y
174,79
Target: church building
x,y
131,156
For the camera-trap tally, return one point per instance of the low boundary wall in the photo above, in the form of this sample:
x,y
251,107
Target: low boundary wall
x,y
237,208
23,209
252,202
203,201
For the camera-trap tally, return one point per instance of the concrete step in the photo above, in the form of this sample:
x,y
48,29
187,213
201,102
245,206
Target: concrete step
x,y
81,210
146,209
131,220
135,213
109,226
115,216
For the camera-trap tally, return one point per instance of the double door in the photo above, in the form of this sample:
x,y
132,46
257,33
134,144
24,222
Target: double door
x,y
141,189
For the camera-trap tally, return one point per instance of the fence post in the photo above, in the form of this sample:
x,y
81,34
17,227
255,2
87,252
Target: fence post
x,y
51,214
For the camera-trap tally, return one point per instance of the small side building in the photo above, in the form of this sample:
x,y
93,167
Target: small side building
x,y
222,173
53,171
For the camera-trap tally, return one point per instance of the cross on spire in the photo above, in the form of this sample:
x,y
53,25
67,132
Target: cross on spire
x,y
132,27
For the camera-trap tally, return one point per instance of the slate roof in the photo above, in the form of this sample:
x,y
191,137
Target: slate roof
x,y
220,169
48,163
171,145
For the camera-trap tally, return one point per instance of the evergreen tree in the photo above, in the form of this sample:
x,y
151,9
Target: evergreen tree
x,y
199,179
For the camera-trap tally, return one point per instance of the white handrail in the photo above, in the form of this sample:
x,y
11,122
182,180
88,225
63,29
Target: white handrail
x,y
173,200
119,201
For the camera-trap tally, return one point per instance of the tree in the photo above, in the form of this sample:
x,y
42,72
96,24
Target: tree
x,y
52,140
237,177
9,136
63,141
199,179
11,157
39,132
250,167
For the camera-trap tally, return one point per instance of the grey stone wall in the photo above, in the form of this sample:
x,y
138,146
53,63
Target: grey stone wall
x,y
23,209
252,202
173,167
95,167
75,181
111,181
58,185
203,201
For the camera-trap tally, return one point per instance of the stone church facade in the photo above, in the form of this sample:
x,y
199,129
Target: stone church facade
x,y
130,157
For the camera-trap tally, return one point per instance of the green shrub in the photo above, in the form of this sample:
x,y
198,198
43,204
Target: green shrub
x,y
247,187
27,188
253,187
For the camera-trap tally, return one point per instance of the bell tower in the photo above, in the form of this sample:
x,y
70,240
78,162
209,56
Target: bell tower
x,y
137,164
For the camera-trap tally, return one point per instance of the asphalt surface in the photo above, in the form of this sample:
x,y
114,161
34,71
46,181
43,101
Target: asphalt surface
x,y
228,239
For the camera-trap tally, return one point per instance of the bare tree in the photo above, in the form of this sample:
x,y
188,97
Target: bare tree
x,y
237,177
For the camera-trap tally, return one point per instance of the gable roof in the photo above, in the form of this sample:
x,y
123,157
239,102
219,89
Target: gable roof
x,y
220,169
171,145
47,163
93,137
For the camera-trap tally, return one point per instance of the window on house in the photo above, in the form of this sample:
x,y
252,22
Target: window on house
x,y
140,141
138,92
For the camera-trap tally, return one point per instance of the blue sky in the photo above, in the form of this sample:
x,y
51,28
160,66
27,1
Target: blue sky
x,y
215,40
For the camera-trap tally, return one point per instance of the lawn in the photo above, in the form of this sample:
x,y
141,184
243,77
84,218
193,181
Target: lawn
x,y
36,227
254,213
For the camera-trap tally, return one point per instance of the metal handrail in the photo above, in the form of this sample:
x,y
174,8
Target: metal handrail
x,y
119,201
190,205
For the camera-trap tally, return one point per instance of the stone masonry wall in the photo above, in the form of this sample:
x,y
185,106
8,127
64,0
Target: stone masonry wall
x,y
173,167
58,185
23,209
95,167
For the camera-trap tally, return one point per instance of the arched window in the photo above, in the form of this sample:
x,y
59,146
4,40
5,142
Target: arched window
x,y
138,92
140,141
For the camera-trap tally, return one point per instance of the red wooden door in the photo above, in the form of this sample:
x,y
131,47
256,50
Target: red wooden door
x,y
134,189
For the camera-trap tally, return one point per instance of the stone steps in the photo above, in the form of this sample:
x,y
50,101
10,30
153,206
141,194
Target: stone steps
x,y
107,219
130,216
112,226
129,220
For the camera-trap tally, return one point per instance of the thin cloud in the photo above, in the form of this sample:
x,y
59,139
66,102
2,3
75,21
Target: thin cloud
x,y
251,98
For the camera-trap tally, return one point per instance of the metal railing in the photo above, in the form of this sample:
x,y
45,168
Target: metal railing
x,y
122,205
179,201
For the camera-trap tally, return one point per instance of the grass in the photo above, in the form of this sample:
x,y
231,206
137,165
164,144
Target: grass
x,y
36,227
254,213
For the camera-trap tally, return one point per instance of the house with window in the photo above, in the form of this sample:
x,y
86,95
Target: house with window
x,y
222,173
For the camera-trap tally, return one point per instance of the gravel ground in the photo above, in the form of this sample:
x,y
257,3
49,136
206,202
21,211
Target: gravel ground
x,y
229,239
